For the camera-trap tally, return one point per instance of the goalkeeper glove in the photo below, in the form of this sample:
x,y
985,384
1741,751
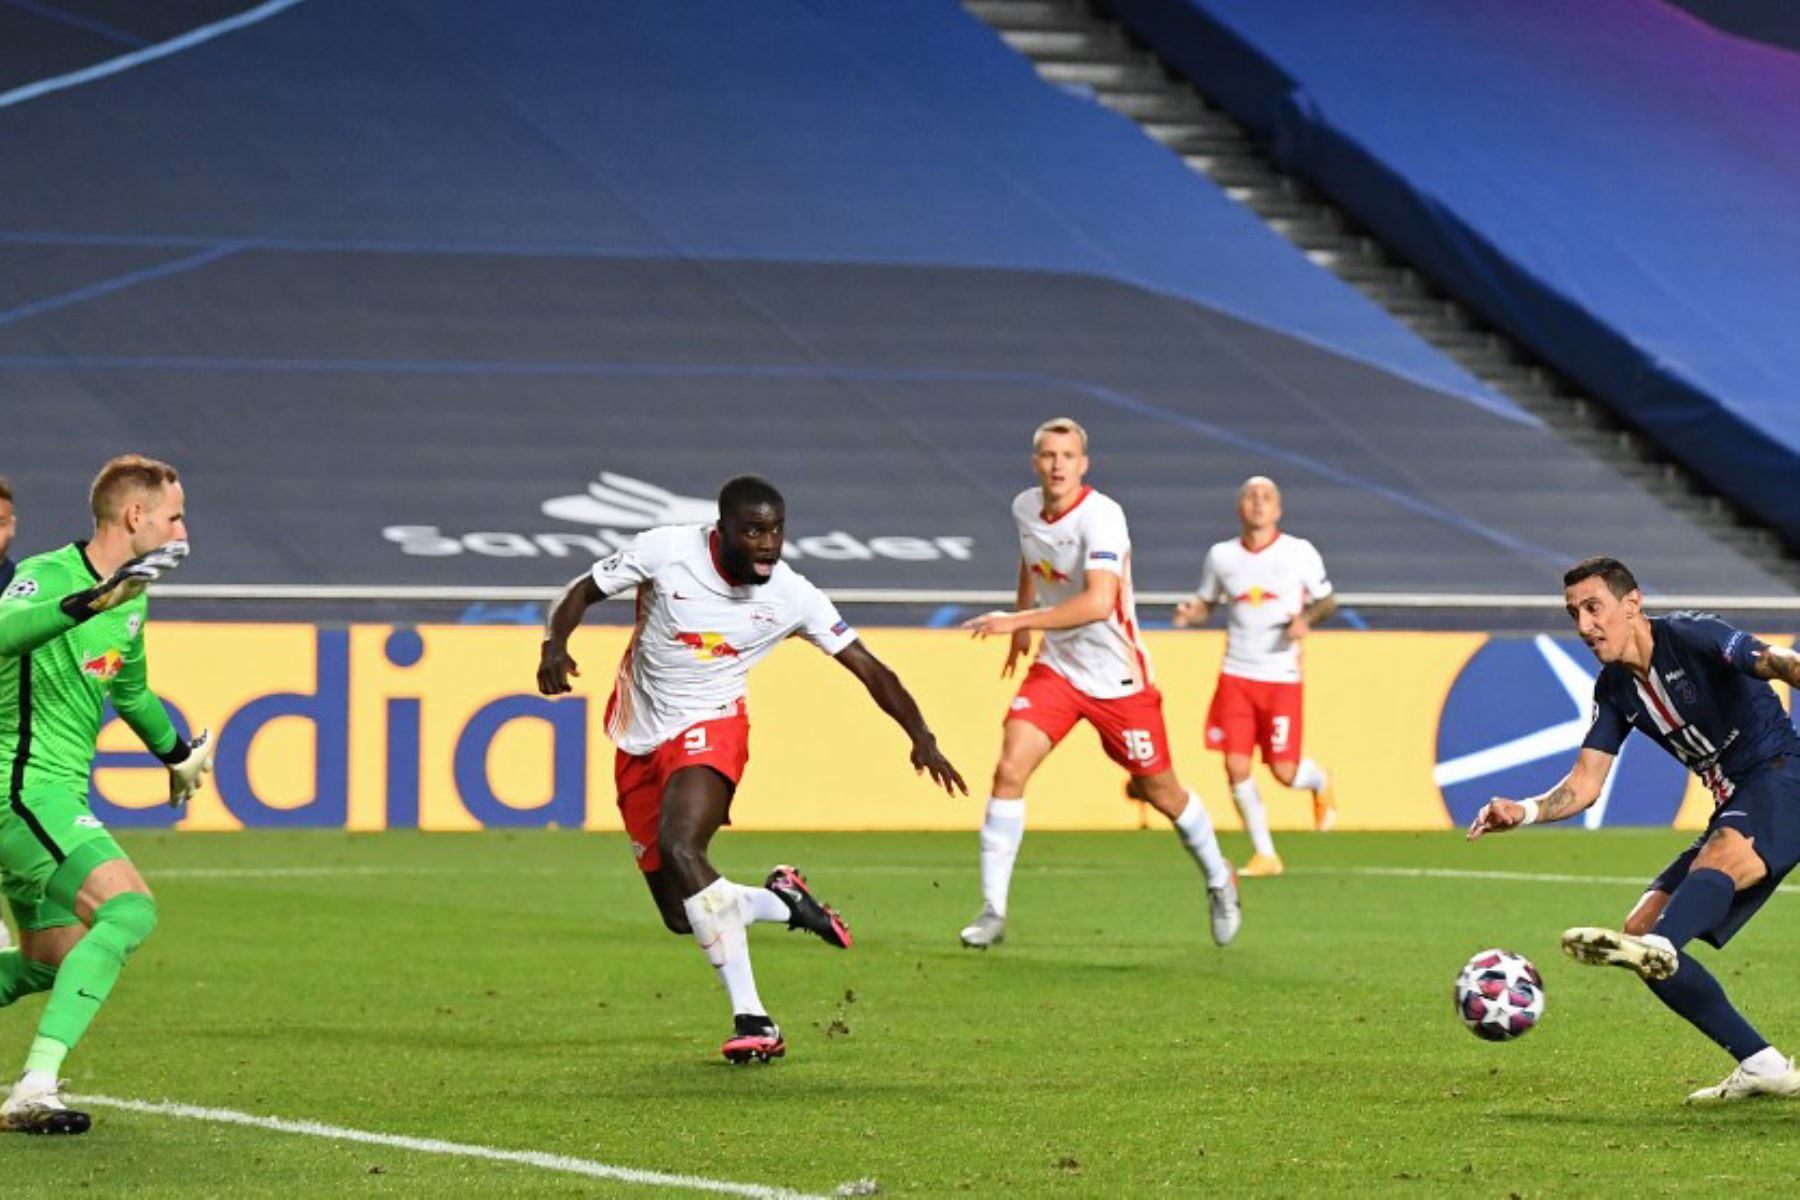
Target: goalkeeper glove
x,y
187,772
126,583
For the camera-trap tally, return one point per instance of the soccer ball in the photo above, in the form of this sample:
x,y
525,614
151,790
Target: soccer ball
x,y
1499,995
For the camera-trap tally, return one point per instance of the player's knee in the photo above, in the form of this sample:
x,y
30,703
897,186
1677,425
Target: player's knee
x,y
1165,794
686,860
675,921
1010,778
1284,772
1732,853
127,920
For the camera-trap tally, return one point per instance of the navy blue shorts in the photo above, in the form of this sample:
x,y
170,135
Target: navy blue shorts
x,y
1766,808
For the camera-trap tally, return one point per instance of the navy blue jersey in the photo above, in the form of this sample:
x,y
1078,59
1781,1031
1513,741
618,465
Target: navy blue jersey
x,y
1701,702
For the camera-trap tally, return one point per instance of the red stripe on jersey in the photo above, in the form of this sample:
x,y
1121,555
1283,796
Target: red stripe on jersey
x,y
1045,516
1667,713
1258,550
1130,627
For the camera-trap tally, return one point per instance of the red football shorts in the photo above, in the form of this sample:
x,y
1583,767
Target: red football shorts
x,y
1130,727
723,745
1247,713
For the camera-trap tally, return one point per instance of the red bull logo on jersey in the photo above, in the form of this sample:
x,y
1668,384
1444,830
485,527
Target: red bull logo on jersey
x,y
1256,597
1043,570
708,645
104,667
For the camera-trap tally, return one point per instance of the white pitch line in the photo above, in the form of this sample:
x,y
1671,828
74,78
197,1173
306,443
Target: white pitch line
x,y
527,1158
1518,876
327,872
279,872
125,62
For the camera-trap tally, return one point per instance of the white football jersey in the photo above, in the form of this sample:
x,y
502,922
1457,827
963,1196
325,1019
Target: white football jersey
x,y
1105,658
1264,589
697,635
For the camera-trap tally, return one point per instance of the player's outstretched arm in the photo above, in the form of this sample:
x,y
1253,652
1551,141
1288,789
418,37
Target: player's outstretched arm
x,y
38,608
1778,662
887,690
1577,792
554,664
1091,604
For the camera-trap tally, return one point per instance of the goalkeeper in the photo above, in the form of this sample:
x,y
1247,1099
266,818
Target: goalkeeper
x,y
72,637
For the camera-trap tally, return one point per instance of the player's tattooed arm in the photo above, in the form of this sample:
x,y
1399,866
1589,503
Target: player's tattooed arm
x,y
1558,802
888,692
1311,615
1778,662
1576,792
554,664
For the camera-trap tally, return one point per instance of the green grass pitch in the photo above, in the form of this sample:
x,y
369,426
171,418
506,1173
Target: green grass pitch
x,y
518,992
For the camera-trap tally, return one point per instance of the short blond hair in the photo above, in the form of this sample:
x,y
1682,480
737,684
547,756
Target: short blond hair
x,y
123,475
1059,425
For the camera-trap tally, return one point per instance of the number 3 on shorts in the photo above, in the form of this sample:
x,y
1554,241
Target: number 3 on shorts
x,y
1139,745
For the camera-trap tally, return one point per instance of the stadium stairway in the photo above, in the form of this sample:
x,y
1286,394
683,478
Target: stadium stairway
x,y
1076,46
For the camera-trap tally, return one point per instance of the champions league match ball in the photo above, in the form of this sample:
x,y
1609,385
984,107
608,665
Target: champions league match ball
x,y
1499,995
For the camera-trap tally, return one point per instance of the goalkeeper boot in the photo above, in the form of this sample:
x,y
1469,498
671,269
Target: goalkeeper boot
x,y
807,913
987,929
1651,955
37,1107
753,1036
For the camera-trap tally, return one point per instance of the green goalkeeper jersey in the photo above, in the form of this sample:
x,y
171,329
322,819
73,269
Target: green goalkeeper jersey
x,y
56,675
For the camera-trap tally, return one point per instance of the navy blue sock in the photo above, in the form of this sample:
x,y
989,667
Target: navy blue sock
x,y
1693,993
1701,901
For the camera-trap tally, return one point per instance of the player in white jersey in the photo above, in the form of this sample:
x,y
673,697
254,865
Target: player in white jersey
x,y
711,602
1075,561
1274,589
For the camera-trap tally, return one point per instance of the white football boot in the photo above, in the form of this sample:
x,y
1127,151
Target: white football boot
x,y
987,929
1743,1085
1651,955
1226,913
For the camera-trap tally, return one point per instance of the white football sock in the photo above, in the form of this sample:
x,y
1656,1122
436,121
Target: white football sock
x,y
1309,776
1767,1061
1256,818
1001,833
717,916
760,904
1196,830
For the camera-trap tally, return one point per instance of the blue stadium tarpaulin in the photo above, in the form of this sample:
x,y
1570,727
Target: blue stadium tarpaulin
x,y
1615,182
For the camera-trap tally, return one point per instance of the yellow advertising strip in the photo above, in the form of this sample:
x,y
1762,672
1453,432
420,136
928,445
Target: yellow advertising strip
x,y
440,728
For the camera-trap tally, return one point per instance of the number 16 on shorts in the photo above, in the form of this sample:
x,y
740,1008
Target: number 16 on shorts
x,y
1140,745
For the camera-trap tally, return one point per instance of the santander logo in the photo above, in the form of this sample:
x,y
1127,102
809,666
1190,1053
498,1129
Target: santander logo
x,y
615,507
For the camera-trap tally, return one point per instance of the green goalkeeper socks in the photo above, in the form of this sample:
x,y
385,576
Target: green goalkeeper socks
x,y
92,967
20,977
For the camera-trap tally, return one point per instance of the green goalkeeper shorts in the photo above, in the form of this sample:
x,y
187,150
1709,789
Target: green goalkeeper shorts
x,y
49,841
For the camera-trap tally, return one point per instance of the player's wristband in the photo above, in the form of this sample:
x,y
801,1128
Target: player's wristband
x,y
177,754
79,606
1531,811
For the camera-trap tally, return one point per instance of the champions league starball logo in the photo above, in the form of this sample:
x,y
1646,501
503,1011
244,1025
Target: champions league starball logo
x,y
1513,724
